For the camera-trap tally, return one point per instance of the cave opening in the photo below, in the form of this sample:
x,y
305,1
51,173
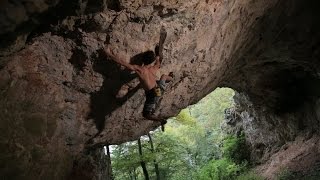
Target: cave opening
x,y
193,141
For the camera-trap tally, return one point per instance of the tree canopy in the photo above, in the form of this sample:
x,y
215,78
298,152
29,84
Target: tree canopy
x,y
193,146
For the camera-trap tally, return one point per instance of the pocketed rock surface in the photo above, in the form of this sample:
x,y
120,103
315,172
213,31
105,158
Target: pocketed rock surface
x,y
62,99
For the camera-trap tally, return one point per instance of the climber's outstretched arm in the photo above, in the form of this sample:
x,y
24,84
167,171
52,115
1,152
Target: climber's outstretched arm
x,y
120,61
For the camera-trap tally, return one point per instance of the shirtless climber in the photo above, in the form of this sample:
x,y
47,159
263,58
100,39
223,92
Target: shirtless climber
x,y
147,74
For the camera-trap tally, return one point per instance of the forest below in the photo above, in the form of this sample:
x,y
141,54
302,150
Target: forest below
x,y
196,144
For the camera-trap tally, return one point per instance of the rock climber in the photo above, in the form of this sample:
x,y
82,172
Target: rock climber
x,y
153,87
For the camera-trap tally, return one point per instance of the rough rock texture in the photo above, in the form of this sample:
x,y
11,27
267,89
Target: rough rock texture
x,y
278,78
267,132
278,143
300,157
61,98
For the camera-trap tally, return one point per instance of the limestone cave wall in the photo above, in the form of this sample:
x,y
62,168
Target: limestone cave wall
x,y
62,99
278,79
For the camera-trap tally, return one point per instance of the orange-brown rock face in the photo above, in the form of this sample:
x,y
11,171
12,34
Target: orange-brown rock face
x,y
60,96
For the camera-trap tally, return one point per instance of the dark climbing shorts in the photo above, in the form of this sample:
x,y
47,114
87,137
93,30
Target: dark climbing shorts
x,y
152,98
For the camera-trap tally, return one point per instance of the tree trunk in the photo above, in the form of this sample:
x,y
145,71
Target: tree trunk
x,y
131,174
109,169
156,166
135,174
143,164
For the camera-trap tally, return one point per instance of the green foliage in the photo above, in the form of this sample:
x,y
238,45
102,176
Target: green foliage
x,y
127,159
185,118
222,169
209,111
235,149
190,148
233,163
